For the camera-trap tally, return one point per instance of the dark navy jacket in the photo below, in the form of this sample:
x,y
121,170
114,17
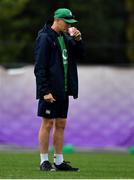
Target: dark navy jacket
x,y
49,69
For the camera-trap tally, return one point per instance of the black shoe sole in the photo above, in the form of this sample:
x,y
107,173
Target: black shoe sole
x,y
51,170
68,170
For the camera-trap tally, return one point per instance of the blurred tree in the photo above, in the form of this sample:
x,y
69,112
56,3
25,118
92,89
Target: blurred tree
x,y
58,4
11,42
103,25
37,13
130,29
20,21
101,22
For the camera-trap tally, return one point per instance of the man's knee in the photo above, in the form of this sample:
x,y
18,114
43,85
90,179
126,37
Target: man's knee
x,y
60,124
47,123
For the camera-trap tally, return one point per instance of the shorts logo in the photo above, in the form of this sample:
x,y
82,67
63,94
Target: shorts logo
x,y
48,111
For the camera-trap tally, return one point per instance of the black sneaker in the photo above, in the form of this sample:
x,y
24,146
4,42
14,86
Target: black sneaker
x,y
65,167
46,166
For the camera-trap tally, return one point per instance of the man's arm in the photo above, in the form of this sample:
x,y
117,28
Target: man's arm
x,y
42,55
77,44
78,49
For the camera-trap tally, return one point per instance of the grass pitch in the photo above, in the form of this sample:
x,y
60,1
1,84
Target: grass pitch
x,y
92,165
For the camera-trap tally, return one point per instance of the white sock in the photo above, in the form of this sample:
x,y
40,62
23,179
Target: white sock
x,y
58,159
43,157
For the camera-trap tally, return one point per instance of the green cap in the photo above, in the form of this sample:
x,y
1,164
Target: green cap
x,y
65,14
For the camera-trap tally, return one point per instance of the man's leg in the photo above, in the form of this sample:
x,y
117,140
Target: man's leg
x,y
44,134
58,141
58,135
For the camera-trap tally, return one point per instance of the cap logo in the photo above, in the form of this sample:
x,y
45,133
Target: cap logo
x,y
70,13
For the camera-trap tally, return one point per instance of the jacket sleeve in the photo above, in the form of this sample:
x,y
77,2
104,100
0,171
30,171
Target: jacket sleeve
x,y
42,55
78,49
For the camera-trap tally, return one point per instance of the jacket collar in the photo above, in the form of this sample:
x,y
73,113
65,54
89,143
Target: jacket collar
x,y
53,34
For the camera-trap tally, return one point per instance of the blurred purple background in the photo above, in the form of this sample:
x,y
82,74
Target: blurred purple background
x,y
102,117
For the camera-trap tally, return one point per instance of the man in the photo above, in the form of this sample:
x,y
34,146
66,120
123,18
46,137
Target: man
x,y
56,52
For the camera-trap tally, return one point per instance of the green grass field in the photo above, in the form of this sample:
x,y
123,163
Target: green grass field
x,y
92,165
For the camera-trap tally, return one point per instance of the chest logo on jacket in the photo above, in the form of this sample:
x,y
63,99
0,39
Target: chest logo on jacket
x,y
64,54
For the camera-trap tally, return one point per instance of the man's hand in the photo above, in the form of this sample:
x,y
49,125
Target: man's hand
x,y
77,35
49,98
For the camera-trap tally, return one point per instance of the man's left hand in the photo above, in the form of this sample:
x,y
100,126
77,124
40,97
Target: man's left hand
x,y
77,35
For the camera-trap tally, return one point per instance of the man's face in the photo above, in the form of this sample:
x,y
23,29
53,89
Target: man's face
x,y
63,26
